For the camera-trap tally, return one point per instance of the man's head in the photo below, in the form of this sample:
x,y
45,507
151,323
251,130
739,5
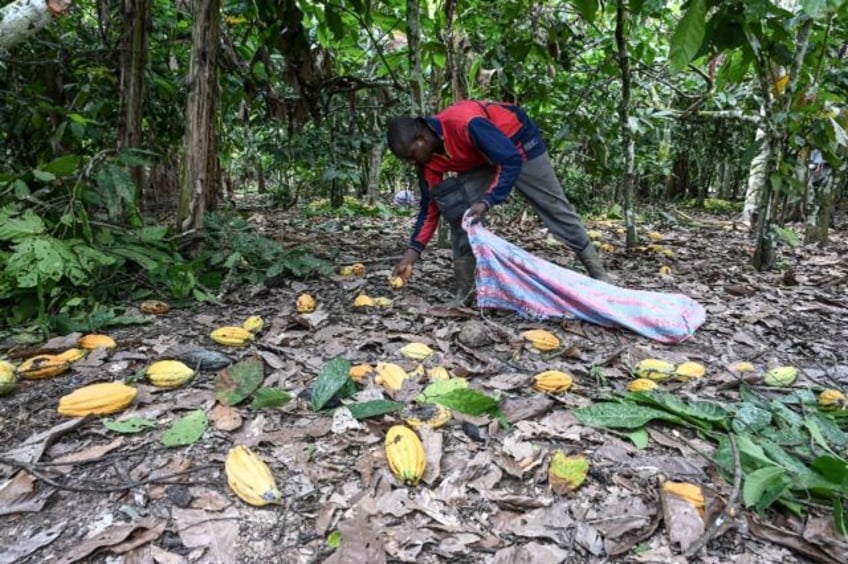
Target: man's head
x,y
411,140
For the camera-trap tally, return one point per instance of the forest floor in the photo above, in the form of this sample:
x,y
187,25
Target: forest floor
x,y
74,490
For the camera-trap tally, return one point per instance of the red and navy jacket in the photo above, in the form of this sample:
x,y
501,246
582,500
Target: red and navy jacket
x,y
474,134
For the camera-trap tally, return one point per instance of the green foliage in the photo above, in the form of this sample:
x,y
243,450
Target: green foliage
x,y
786,444
351,207
688,36
234,250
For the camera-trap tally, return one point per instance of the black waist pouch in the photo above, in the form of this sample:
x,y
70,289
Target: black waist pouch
x,y
455,195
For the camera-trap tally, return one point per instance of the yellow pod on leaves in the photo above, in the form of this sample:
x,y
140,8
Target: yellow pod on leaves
x,y
169,373
305,304
42,366
254,324
231,336
359,372
541,340
405,455
553,381
250,478
96,341
416,351
831,398
641,385
688,370
97,399
363,301
654,369
390,375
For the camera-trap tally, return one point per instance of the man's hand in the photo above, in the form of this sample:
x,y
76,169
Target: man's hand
x,y
404,267
477,212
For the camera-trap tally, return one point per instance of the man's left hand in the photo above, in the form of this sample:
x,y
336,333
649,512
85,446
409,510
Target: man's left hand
x,y
477,212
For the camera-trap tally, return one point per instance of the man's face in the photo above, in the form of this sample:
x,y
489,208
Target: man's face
x,y
419,152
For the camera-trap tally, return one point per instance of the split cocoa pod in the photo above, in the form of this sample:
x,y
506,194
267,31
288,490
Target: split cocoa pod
x,y
43,366
250,478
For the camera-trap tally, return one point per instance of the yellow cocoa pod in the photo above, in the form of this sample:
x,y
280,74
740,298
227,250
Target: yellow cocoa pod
x,y
358,269
606,248
96,341
72,355
541,340
250,478
552,381
8,380
781,376
654,369
154,307
42,366
231,336
305,303
665,270
346,271
363,301
742,366
689,492
416,351
396,282
405,454
390,375
97,399
359,372
431,414
169,373
832,398
655,236
438,373
254,324
641,385
595,234
688,370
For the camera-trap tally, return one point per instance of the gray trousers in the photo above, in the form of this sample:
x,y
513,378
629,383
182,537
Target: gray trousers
x,y
541,188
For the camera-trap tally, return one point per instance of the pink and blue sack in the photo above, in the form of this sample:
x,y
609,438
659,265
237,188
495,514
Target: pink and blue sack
x,y
510,278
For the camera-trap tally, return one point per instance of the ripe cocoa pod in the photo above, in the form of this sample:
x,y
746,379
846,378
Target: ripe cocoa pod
x,y
405,454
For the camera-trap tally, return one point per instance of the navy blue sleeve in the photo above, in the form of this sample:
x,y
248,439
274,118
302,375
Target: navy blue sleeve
x,y
501,152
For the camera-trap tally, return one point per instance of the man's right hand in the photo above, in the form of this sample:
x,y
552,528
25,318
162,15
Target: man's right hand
x,y
404,267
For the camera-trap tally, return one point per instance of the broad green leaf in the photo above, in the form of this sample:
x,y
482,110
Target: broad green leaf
x,y
468,401
587,8
787,236
128,426
759,482
187,430
639,437
373,408
270,397
829,429
834,469
441,387
749,419
815,431
43,175
332,378
153,233
566,473
621,415
63,166
688,36
13,226
238,381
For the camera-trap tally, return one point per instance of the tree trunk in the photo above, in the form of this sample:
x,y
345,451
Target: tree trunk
x,y
818,204
626,134
756,178
413,42
22,19
200,181
135,26
764,255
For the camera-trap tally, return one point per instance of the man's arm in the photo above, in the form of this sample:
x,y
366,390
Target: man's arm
x,y
427,220
501,152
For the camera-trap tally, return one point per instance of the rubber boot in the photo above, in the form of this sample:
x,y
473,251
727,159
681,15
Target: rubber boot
x,y
590,259
464,271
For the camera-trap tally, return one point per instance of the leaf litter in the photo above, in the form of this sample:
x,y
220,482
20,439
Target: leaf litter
x,y
486,495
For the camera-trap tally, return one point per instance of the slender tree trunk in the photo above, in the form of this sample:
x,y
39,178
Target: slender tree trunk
x,y
135,26
413,42
775,138
626,134
201,177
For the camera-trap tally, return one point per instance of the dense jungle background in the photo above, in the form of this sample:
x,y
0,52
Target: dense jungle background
x,y
173,166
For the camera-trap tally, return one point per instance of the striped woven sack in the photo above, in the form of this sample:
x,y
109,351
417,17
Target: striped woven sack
x,y
510,278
